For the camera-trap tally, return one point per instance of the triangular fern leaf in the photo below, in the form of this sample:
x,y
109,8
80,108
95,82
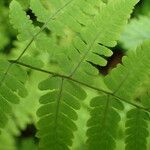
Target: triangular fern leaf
x,y
11,88
131,73
58,113
137,129
92,25
90,44
103,123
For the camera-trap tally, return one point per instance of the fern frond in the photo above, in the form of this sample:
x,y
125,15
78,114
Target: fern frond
x,y
78,40
137,129
27,31
65,25
11,88
57,113
89,19
91,44
86,45
103,123
131,73
21,22
67,18
136,32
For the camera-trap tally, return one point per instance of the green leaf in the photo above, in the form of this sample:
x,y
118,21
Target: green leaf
x,y
21,22
128,76
12,79
137,129
58,113
103,124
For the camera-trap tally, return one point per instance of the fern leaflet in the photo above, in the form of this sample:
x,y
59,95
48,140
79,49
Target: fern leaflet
x,y
135,63
11,88
57,113
103,123
137,129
